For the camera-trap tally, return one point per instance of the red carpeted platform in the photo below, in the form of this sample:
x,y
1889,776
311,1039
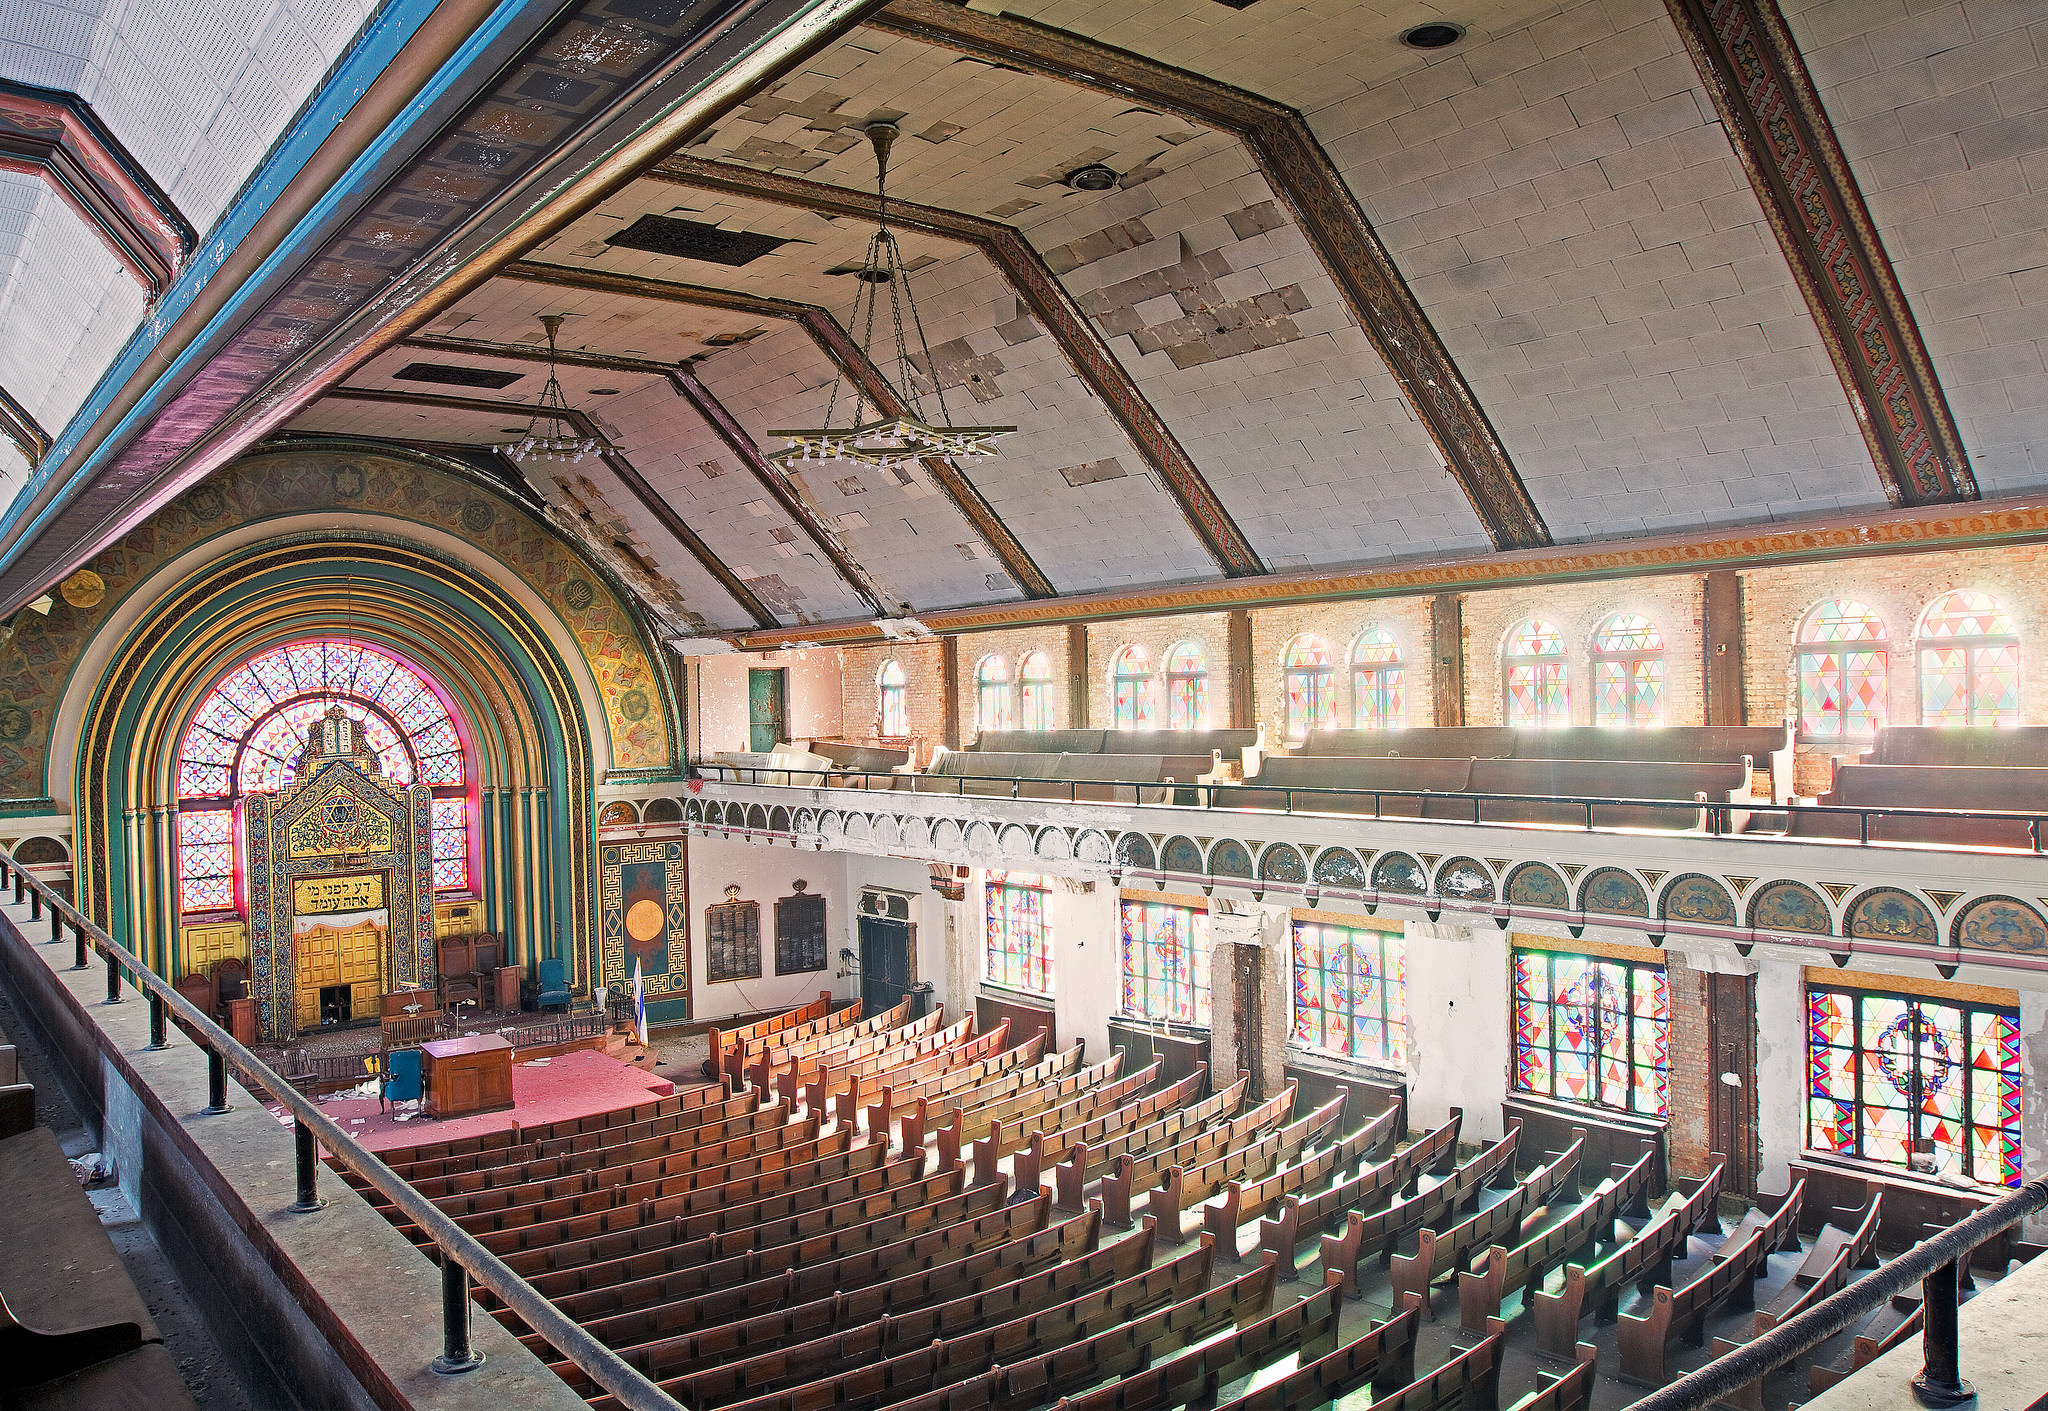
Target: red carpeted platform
x,y
567,1086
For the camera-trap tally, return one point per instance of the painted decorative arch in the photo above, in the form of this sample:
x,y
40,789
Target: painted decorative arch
x,y
1092,846
1401,874
857,829
1697,898
1182,855
1539,885
1792,907
1339,867
757,819
886,832
946,836
1611,891
41,852
1466,879
617,814
1890,914
1052,845
1282,862
1015,840
981,840
1230,859
1135,850
2001,924
662,811
778,819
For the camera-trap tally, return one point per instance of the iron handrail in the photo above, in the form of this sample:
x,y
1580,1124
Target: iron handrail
x,y
460,1250
1932,1262
1719,813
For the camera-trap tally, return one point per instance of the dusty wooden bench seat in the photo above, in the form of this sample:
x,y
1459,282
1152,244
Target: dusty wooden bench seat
x,y
898,1048
872,1033
1181,1187
1242,1202
1604,779
849,1085
1377,1233
1382,1357
1442,1252
1992,747
959,1119
1201,1140
1030,1138
1644,1260
1094,1147
1310,1215
1936,786
730,1049
1471,1378
1501,1271
1406,780
1421,742
913,1103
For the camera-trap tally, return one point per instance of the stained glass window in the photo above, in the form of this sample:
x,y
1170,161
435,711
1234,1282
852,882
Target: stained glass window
x,y
247,733
1889,1074
1842,669
1187,688
1019,934
1593,1030
1969,662
1132,689
1311,687
1535,678
1377,696
1628,673
1035,692
992,694
1350,992
890,706
1165,962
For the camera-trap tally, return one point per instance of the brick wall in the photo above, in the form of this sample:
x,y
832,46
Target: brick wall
x,y
1692,1068
1339,625
1674,604
924,690
1158,635
1012,647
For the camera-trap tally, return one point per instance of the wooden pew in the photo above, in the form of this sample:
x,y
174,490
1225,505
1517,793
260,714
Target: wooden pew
x,y
1380,1230
1099,1087
1567,1391
1824,1271
742,1054
1729,1277
722,1041
791,1067
1132,1112
1243,1203
850,1085
1093,1146
1440,1252
691,1108
910,1101
1501,1271
1470,1380
694,1328
1183,1187
1892,1326
774,1055
1205,1147
1644,1260
1305,1217
877,1379
1382,1357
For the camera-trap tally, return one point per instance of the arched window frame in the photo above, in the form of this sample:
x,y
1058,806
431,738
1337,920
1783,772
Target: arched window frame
x,y
1969,659
1133,689
1187,687
1309,679
1843,663
992,693
1628,673
1378,682
246,732
1536,685
1035,692
892,710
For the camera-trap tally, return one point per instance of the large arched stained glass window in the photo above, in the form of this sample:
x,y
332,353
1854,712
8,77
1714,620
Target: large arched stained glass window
x,y
892,712
1969,662
1628,673
1132,688
1311,687
1187,688
247,733
992,694
1034,706
1842,671
1534,678
1377,695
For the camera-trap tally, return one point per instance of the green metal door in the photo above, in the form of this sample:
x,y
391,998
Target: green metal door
x,y
764,709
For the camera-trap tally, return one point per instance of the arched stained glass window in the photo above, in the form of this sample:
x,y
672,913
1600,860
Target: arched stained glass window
x,y
1628,673
1311,681
1535,678
247,733
1969,662
1843,665
1378,699
1133,687
1187,688
992,694
891,709
1034,675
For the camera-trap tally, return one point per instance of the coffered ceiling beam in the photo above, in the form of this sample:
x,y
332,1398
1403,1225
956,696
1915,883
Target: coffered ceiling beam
x,y
58,137
1748,60
686,384
1302,175
850,360
631,478
23,429
1006,248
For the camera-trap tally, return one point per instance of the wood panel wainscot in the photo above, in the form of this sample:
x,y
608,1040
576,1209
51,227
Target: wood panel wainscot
x,y
1026,1016
1365,1097
1612,1138
1180,1051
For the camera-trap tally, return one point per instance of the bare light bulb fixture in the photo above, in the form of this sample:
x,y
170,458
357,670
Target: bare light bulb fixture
x,y
557,431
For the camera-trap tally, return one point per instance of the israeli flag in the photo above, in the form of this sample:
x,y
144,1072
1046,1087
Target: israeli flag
x,y
639,1004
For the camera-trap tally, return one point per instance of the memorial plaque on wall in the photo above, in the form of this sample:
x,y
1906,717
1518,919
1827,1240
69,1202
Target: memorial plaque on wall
x,y
732,939
799,932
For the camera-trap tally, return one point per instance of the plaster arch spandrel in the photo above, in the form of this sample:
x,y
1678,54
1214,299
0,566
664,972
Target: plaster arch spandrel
x,y
48,672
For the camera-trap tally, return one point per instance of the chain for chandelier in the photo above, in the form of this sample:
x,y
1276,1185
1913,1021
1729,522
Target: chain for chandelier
x,y
561,440
892,440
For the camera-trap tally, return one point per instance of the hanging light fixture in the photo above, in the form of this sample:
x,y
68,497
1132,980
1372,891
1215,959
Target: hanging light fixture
x,y
889,442
552,434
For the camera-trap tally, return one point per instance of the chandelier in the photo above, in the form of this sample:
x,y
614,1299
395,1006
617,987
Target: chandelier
x,y
557,431
894,438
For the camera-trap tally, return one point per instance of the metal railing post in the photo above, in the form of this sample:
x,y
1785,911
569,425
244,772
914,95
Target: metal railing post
x,y
216,1083
78,955
35,903
308,1169
159,1035
113,979
56,927
457,1356
1940,1383
1863,827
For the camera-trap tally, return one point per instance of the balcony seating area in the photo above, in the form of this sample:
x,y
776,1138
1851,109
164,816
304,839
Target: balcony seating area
x,y
1767,748
1087,778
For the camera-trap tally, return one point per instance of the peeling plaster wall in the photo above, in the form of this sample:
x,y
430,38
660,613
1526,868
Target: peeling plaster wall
x,y
718,712
1457,1026
763,875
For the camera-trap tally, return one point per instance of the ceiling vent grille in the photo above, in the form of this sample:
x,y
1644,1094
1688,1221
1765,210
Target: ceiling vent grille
x,y
453,376
694,240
